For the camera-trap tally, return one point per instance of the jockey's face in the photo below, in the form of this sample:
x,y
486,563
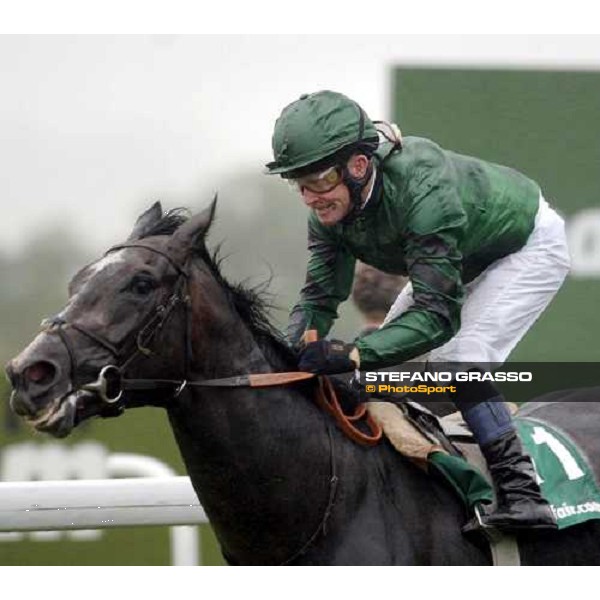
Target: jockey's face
x,y
326,194
330,207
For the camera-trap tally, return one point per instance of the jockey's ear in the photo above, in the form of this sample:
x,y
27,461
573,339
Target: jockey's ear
x,y
358,165
145,222
192,233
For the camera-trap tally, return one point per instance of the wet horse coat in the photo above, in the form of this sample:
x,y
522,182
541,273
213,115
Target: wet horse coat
x,y
278,480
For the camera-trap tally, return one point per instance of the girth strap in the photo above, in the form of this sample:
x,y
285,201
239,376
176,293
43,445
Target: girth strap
x,y
504,546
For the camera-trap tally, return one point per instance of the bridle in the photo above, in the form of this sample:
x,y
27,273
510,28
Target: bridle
x,y
110,384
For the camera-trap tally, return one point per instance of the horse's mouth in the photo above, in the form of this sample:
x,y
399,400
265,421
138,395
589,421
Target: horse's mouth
x,y
58,417
59,410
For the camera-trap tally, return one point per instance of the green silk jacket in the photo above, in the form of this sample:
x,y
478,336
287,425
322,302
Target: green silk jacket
x,y
439,217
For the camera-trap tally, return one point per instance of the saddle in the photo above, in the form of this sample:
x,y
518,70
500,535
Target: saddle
x,y
442,446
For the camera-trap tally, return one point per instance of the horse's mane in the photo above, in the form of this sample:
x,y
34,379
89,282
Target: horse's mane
x,y
252,303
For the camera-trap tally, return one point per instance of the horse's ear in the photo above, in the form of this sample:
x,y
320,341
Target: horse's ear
x,y
193,232
145,222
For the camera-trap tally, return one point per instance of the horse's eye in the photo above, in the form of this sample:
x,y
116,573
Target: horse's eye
x,y
142,286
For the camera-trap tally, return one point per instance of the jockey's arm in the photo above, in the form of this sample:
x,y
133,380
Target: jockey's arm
x,y
329,278
433,318
436,222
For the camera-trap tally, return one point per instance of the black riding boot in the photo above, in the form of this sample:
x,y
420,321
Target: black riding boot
x,y
520,503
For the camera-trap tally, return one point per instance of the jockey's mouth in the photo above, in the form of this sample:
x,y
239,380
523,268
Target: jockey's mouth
x,y
330,207
325,207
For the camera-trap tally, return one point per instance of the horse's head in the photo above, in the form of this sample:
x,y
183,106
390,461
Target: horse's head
x,y
116,314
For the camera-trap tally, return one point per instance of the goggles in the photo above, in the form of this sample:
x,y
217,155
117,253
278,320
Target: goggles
x,y
319,183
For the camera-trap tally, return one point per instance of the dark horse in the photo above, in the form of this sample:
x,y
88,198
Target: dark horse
x,y
279,481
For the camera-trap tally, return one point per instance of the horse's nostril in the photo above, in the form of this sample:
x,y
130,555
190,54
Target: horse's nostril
x,y
40,373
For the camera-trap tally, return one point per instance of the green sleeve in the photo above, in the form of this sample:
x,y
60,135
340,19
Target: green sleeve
x,y
329,278
434,223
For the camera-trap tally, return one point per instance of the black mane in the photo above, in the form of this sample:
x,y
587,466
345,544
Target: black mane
x,y
251,303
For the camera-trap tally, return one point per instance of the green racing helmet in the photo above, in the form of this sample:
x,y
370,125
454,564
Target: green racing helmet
x,y
316,127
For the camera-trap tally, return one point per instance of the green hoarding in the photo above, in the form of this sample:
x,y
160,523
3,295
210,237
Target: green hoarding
x,y
545,124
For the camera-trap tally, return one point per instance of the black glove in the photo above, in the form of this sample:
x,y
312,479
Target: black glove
x,y
326,357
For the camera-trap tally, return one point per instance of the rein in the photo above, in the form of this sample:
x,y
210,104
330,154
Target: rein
x,y
327,399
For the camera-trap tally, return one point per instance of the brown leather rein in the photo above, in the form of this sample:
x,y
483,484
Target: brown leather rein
x,y
110,387
327,399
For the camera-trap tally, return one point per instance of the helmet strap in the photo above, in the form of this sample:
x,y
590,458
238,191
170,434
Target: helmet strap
x,y
355,187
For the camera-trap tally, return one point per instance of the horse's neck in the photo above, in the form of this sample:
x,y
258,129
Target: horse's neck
x,y
258,459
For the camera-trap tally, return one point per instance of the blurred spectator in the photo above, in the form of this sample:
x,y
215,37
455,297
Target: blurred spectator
x,y
373,293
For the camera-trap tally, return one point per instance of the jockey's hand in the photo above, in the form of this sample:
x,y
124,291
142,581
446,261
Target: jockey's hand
x,y
326,357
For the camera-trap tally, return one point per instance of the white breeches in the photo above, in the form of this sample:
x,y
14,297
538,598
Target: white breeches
x,y
505,300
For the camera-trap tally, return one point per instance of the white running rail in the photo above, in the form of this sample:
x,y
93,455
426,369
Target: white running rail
x,y
104,503
89,504
72,494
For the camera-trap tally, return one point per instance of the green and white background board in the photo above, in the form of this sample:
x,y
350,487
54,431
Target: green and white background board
x,y
545,124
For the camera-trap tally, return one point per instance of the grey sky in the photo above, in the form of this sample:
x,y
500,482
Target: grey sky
x,y
93,127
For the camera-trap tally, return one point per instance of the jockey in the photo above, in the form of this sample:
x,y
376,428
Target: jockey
x,y
483,250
